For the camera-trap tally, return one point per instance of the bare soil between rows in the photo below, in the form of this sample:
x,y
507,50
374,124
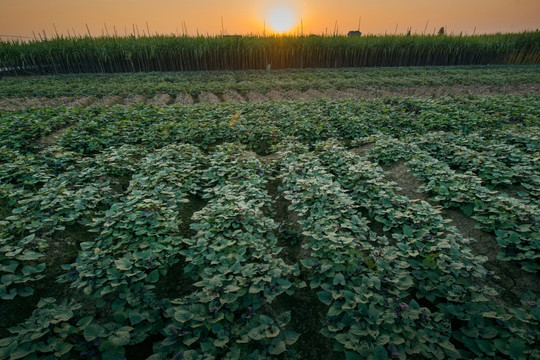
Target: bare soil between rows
x,y
423,91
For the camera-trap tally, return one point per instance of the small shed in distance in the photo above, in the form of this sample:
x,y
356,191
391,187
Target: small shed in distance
x,y
354,33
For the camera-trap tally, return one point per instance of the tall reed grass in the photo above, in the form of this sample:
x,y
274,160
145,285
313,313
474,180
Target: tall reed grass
x,y
171,53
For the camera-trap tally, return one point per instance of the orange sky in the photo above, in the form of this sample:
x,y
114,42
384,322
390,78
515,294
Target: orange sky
x,y
21,17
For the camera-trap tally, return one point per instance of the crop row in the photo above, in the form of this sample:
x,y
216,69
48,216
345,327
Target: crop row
x,y
497,163
203,125
344,259
139,238
514,222
233,259
195,83
45,193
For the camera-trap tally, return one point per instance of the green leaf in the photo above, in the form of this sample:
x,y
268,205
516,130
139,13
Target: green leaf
x,y
153,276
325,297
290,337
8,279
29,238
256,333
467,209
265,320
339,279
8,295
120,338
255,288
135,317
231,288
283,318
380,353
21,352
349,355
278,348
62,348
11,267
221,342
86,245
335,310
93,331
46,301
228,298
65,315
29,270
517,350
407,231
117,354
84,321
486,346
29,255
182,316
123,264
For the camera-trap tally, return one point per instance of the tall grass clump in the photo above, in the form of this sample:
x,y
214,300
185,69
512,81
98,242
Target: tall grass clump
x,y
63,55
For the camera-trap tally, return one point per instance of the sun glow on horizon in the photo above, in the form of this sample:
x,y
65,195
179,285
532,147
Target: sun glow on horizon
x,y
281,19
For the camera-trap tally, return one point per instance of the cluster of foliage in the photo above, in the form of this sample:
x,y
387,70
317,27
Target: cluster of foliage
x,y
177,254
194,83
170,53
514,221
421,293
203,125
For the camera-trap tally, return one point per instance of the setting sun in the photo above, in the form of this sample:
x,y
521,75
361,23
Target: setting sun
x,y
281,19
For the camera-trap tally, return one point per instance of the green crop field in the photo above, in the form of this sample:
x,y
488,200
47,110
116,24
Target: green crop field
x,y
322,214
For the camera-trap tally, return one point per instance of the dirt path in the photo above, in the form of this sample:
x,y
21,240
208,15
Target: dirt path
x,y
161,100
208,97
231,95
274,95
52,138
110,100
134,100
257,97
184,99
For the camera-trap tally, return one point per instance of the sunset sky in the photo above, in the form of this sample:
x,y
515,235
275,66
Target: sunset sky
x,y
21,17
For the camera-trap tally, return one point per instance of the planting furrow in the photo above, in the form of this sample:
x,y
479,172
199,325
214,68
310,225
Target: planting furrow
x,y
208,97
232,96
184,99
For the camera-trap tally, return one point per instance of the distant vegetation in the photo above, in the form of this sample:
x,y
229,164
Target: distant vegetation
x,y
170,53
219,82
